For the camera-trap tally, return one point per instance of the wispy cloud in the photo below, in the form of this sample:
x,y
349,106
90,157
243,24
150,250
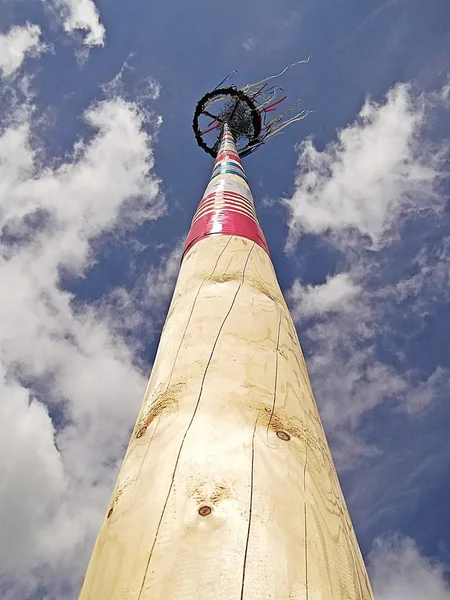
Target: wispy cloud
x,y
249,44
373,15
142,307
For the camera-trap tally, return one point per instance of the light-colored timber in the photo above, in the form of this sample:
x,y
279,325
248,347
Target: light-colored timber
x,y
227,490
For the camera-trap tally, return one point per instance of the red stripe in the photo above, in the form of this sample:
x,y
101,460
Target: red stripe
x,y
225,223
228,154
270,107
210,129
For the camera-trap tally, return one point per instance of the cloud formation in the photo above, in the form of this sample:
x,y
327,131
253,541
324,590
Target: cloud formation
x,y
17,44
82,15
400,572
359,195
374,171
68,381
335,295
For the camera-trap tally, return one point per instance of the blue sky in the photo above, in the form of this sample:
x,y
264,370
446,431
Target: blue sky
x,y
99,178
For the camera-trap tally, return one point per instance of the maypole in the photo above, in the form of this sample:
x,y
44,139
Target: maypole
x,y
228,489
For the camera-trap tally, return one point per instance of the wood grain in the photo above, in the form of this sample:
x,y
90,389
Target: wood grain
x,y
228,422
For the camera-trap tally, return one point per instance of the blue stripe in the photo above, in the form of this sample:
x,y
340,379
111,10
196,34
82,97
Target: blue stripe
x,y
231,171
230,163
228,170
225,167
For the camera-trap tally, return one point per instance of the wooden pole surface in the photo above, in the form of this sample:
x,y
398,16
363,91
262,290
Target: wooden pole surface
x,y
227,490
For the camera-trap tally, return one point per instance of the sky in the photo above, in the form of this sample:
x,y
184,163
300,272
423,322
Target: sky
x,y
99,178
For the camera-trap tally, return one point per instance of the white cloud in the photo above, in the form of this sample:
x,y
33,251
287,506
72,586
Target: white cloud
x,y
376,169
31,467
342,325
349,381
374,197
358,194
400,572
68,381
82,15
348,378
335,295
16,45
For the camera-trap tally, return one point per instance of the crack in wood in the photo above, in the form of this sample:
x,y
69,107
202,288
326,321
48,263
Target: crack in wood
x,y
275,379
192,418
250,510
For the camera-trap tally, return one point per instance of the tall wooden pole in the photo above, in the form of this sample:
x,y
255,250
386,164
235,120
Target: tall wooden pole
x,y
227,490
